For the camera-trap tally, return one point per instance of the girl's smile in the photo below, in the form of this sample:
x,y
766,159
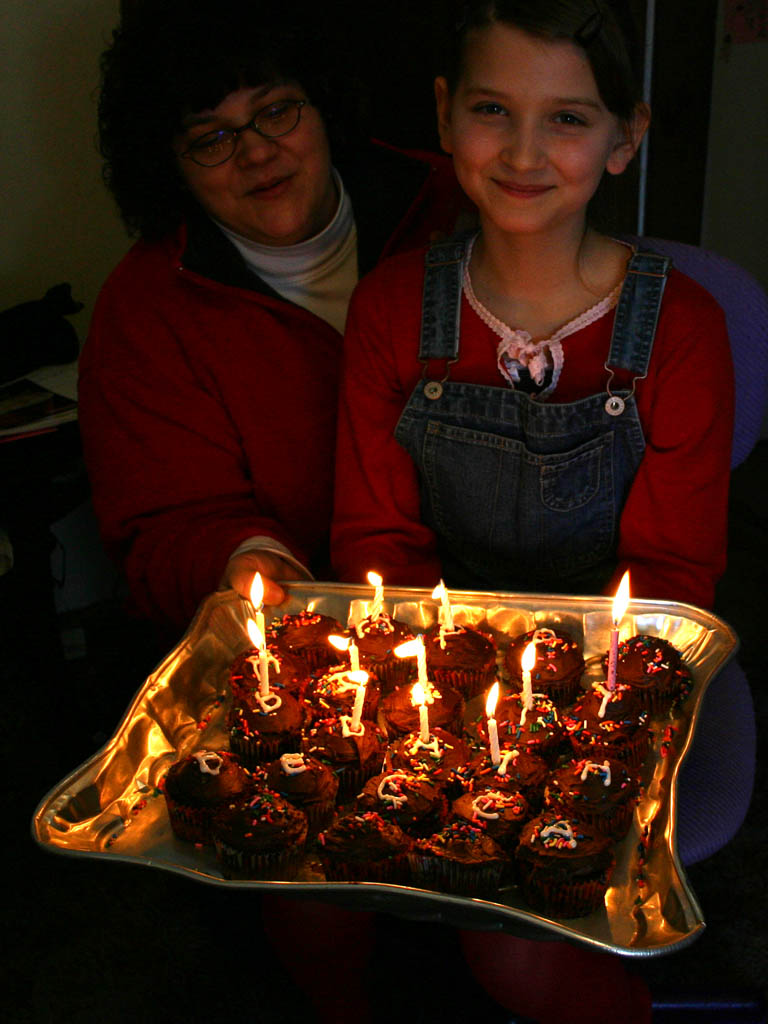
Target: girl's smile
x,y
529,132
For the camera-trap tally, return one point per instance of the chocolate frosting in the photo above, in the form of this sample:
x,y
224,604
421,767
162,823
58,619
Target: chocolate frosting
x,y
265,822
364,837
558,657
463,649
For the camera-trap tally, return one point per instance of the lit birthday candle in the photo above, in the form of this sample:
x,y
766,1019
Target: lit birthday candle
x,y
620,602
257,639
527,663
257,600
493,730
445,615
341,643
378,594
418,696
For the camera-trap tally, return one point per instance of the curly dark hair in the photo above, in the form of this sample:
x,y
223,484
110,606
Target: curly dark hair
x,y
170,58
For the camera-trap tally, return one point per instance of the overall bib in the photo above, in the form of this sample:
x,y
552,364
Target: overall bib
x,y
526,495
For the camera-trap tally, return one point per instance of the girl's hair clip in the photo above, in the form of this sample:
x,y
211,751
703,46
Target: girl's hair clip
x,y
588,32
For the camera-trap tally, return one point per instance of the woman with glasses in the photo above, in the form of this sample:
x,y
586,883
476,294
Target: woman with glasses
x,y
233,148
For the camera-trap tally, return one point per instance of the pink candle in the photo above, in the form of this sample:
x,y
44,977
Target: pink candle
x,y
620,602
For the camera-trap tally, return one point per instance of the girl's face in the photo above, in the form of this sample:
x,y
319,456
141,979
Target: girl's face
x,y
529,134
276,191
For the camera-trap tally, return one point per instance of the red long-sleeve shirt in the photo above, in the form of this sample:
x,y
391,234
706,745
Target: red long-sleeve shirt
x,y
673,528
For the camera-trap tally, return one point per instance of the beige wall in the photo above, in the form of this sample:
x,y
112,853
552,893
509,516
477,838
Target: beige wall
x,y
735,221
58,223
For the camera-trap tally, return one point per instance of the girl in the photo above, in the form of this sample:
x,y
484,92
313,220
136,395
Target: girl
x,y
534,406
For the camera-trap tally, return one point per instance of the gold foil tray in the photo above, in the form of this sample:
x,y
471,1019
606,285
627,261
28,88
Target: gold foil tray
x,y
111,807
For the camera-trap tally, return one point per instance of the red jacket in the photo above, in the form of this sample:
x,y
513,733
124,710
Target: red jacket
x,y
208,403
673,528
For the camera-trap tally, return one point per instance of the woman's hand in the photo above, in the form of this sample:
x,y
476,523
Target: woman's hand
x,y
241,569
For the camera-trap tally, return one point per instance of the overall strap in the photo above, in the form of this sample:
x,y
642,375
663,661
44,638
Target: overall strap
x,y
637,313
441,300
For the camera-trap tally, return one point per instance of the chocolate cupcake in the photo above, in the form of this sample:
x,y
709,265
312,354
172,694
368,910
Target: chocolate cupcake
x,y
600,793
609,723
652,667
261,837
305,635
564,866
537,731
332,692
363,847
462,658
196,786
500,812
285,671
376,640
440,758
516,771
558,668
461,858
353,756
413,802
262,728
308,784
400,716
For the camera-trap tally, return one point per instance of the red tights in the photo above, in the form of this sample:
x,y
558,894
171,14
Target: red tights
x,y
327,951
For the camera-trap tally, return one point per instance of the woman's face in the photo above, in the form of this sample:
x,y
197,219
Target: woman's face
x,y
529,133
272,191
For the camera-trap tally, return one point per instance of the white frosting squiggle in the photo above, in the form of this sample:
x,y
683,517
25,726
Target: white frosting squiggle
x,y
208,761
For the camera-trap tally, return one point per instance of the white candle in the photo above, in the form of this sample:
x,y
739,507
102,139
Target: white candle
x,y
361,678
493,730
378,594
419,697
445,614
257,599
528,661
263,673
620,602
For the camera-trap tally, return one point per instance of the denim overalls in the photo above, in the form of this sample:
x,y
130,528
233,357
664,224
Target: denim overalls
x,y
525,495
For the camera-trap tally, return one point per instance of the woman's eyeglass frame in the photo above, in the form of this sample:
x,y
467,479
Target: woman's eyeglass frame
x,y
228,137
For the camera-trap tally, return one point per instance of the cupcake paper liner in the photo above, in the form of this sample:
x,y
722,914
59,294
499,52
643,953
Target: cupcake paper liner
x,y
278,865
393,870
445,875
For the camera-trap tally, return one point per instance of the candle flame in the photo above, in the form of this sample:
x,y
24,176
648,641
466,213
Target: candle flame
x,y
410,649
361,677
621,600
257,591
257,637
529,657
417,694
493,696
439,590
374,579
341,643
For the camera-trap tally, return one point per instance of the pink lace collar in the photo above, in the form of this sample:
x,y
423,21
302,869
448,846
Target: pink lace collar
x,y
516,350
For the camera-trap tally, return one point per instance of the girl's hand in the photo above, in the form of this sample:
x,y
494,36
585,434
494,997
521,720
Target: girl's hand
x,y
241,569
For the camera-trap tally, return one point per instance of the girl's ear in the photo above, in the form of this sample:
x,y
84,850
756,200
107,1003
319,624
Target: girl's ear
x,y
443,101
632,133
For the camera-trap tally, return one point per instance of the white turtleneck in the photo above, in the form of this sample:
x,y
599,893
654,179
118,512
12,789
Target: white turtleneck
x,y
318,274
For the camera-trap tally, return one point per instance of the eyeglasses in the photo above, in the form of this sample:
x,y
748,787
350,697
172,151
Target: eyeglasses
x,y
270,122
